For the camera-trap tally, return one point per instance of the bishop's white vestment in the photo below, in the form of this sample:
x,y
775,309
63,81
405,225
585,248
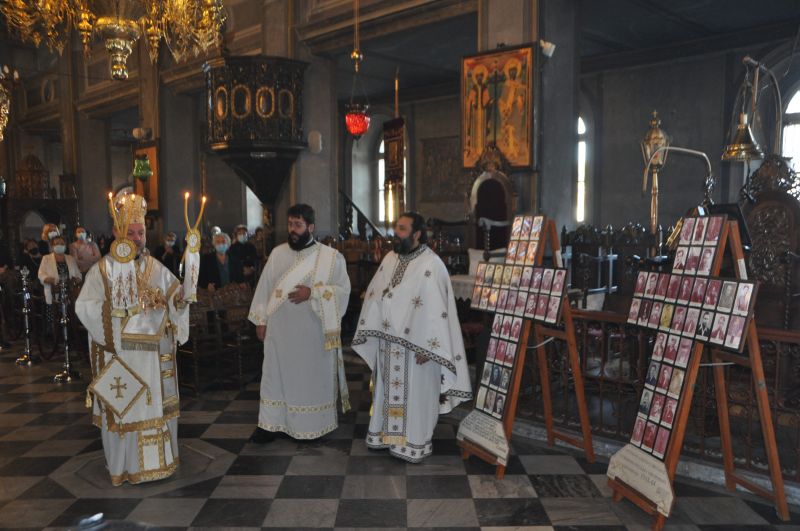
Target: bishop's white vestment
x,y
132,353
409,312
302,345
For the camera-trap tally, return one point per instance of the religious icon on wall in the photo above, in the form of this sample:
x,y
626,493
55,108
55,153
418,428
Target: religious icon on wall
x,y
497,105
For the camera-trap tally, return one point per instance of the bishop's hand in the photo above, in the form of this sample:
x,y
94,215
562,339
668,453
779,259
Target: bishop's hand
x,y
300,294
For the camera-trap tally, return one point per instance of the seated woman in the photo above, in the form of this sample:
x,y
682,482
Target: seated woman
x,y
53,266
219,268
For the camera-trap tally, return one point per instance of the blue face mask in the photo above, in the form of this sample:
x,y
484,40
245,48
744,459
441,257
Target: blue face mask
x,y
59,249
81,235
221,248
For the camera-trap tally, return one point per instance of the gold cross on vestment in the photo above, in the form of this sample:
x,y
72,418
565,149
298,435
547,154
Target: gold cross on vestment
x,y
118,387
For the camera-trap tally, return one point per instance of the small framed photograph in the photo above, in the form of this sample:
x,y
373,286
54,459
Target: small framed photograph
x,y
687,231
649,439
633,313
714,229
698,292
671,351
657,407
497,279
703,331
481,399
536,231
488,277
552,309
497,325
487,291
522,251
516,328
641,280
502,299
644,403
558,282
516,276
652,282
505,379
658,346
661,288
500,356
547,280
727,296
690,325
638,430
712,294
525,281
475,301
511,301
516,228
519,309
536,282
666,317
507,271
644,312
678,318
494,376
719,329
662,439
530,306
676,383
679,265
735,334
541,306
664,375
499,405
655,315
480,273
490,398
652,375
684,352
706,261
670,408
511,251
506,330
743,296
527,225
491,351
530,256
673,287
492,306
685,291
511,354
699,231
692,260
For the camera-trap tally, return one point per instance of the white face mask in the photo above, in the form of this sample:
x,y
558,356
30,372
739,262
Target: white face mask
x,y
82,236
241,238
170,243
59,249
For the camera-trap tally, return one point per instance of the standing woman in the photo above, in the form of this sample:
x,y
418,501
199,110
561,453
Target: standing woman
x,y
85,252
49,231
53,266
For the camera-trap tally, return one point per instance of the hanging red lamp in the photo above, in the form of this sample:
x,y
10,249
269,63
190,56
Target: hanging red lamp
x,y
356,118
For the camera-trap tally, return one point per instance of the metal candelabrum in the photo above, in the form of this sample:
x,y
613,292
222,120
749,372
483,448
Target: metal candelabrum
x,y
67,375
28,358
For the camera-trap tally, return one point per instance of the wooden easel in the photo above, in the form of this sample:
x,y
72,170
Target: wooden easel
x,y
730,238
549,234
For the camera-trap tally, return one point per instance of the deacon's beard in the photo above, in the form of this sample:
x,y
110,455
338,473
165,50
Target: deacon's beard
x,y
404,245
298,243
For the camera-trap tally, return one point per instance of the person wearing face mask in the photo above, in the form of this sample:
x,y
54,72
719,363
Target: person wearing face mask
x,y
85,252
246,253
219,268
169,253
49,231
54,266
409,335
30,259
297,309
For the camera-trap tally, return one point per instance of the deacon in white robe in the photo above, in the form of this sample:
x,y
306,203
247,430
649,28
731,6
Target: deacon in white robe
x,y
409,335
297,309
134,315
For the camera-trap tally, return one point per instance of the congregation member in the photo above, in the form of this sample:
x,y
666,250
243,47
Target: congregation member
x,y
85,251
297,308
169,253
244,251
136,332
218,268
409,335
49,231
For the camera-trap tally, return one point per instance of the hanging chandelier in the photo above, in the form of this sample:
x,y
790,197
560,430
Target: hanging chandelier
x,y
188,27
8,79
356,118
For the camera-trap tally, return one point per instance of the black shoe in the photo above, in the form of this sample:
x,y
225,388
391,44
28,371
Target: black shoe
x,y
261,436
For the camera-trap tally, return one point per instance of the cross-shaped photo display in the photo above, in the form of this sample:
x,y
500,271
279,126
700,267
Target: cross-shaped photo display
x,y
684,306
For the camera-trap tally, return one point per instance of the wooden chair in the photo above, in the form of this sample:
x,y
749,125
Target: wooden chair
x,y
237,334
204,342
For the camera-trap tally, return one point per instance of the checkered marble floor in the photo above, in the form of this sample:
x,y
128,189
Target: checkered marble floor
x,y
52,474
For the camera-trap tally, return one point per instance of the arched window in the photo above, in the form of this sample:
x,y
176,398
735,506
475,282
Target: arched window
x,y
382,177
791,130
580,207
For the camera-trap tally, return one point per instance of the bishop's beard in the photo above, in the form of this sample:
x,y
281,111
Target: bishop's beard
x,y
298,243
